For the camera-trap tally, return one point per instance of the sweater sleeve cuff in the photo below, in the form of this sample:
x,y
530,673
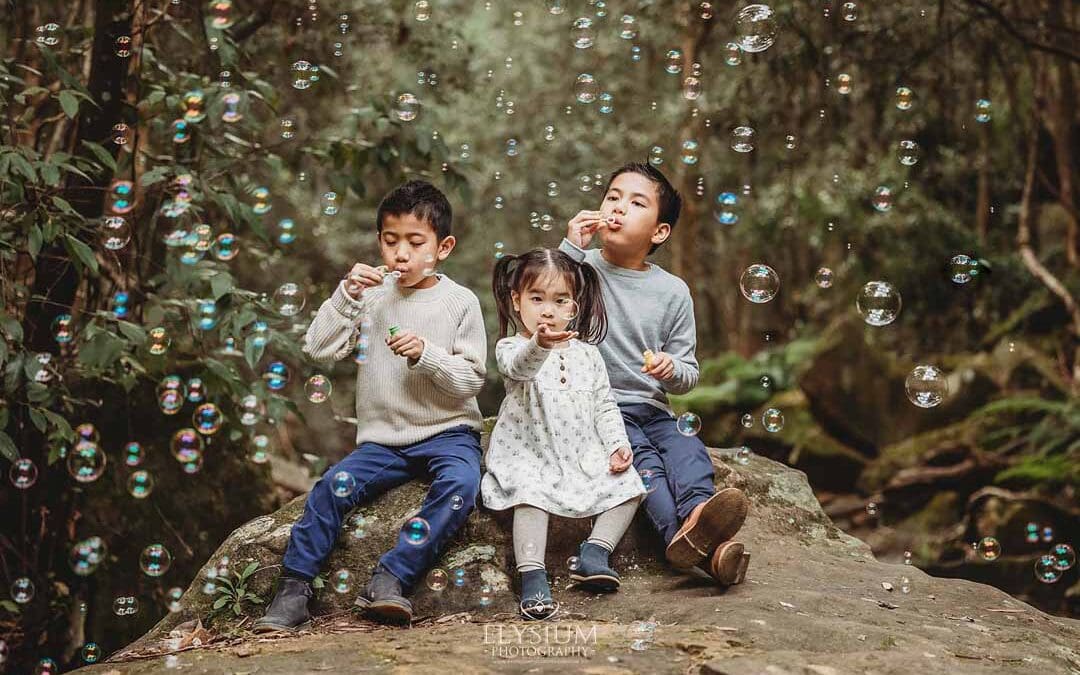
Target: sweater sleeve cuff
x,y
573,250
345,304
430,359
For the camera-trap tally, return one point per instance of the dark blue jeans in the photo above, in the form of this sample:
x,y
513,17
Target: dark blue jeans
x,y
450,459
682,473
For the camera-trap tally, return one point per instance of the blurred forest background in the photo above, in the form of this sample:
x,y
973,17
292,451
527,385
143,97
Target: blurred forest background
x,y
164,170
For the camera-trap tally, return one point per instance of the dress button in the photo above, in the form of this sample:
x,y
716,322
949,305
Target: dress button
x,y
562,379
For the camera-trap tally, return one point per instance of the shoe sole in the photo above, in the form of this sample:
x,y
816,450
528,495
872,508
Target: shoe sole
x,y
729,563
716,522
279,628
598,582
385,611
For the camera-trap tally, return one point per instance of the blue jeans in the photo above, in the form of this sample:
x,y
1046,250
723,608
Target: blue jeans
x,y
451,459
681,471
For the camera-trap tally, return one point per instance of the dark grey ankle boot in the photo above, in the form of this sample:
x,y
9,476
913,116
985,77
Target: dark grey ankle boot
x,y
536,601
594,572
288,610
382,599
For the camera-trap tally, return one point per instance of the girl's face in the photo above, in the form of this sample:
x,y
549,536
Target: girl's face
x,y
548,300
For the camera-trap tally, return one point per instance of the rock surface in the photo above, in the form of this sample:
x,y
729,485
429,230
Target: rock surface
x,y
815,601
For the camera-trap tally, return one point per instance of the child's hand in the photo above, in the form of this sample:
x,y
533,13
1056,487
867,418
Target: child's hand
x,y
581,227
662,367
621,460
361,276
406,343
547,338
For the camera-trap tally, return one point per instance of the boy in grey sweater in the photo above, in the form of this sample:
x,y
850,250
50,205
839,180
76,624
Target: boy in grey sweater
x,y
649,352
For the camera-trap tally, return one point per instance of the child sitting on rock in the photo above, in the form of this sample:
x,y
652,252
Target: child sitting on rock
x,y
649,353
559,445
415,405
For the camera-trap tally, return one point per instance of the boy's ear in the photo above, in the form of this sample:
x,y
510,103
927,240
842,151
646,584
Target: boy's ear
x,y
445,246
663,231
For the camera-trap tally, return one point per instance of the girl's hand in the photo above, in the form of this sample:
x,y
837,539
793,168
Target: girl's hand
x,y
621,460
407,344
547,338
662,366
361,276
581,227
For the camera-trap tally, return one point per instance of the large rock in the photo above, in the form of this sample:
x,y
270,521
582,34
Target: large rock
x,y
814,602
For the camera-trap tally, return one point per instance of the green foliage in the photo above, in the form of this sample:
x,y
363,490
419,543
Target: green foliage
x,y
1043,433
233,593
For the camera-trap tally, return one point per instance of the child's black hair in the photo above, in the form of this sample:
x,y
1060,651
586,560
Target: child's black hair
x,y
518,272
669,199
421,199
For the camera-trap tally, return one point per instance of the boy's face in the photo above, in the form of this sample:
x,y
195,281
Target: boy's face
x,y
409,245
633,202
548,300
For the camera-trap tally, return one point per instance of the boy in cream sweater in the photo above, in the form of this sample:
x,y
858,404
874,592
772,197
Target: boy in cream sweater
x,y
415,405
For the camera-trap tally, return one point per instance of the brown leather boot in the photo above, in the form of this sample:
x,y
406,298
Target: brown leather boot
x,y
710,524
728,563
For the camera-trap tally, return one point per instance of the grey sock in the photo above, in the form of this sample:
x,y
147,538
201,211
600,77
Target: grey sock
x,y
611,525
530,537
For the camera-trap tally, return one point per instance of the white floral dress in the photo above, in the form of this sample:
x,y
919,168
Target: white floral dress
x,y
557,428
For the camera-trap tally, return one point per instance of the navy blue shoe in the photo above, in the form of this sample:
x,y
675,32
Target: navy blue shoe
x,y
536,601
594,572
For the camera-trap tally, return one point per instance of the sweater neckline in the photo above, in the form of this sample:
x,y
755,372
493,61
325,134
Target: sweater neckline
x,y
421,295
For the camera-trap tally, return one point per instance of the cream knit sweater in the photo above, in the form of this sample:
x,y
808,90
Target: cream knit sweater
x,y
400,402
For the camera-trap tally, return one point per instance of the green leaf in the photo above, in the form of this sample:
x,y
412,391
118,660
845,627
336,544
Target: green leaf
x,y
222,601
12,327
132,332
9,606
83,252
102,155
64,205
236,609
7,447
63,427
154,176
35,240
249,570
252,351
70,103
20,164
38,419
220,284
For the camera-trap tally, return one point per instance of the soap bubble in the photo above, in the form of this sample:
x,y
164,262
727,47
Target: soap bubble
x,y
904,98
656,155
276,375
86,555
982,110
288,126
555,7
692,88
824,277
688,424
121,196
158,341
125,605
773,420
759,283
742,139
260,334
689,151
907,557
725,210
206,313
155,560
302,74
115,233
232,102
46,666
850,12
883,199
91,652
87,432
342,484
173,596
872,509
905,585
171,393
487,595
1064,556
733,54
878,303
459,577
422,10
196,391
289,299
926,386
86,462
330,203
573,563
766,381
843,84
192,466
207,419
318,388
649,479
748,420
342,581
607,103
22,590
988,548
909,152
1047,533
673,63
416,531
63,329
48,34
586,88
742,455
140,484
1046,570
260,449
962,268
186,446
628,29
23,473
582,33
457,502
225,247
407,107
437,579
251,410
220,14
286,231
756,28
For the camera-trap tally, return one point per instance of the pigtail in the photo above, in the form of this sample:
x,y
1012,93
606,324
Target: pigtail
x,y
502,283
591,321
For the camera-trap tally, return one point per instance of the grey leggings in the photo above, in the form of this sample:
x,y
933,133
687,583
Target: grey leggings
x,y
531,526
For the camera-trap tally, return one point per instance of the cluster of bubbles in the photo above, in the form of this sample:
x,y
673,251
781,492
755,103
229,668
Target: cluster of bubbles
x,y
86,555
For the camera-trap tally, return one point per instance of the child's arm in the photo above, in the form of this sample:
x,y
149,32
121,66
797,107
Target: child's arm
x,y
333,332
680,346
520,359
609,421
459,372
